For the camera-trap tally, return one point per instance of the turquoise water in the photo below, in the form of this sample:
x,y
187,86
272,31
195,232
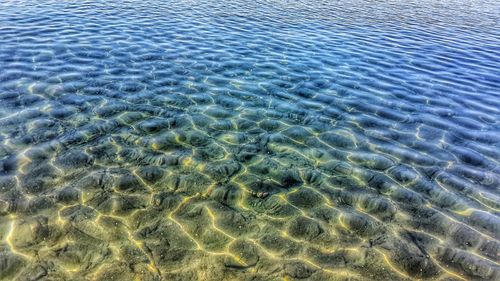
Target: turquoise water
x,y
249,140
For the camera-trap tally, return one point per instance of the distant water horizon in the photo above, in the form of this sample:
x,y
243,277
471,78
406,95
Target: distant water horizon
x,y
249,140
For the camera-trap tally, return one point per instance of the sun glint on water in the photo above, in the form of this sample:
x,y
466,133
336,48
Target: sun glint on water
x,y
249,140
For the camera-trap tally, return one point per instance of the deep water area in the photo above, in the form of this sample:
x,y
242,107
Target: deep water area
x,y
250,140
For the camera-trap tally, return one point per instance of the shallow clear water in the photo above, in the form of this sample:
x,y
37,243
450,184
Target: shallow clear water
x,y
249,140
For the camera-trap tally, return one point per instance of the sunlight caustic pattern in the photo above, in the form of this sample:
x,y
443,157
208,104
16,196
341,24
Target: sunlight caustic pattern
x,y
249,140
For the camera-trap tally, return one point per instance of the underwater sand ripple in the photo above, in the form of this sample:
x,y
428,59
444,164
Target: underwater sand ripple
x,y
149,140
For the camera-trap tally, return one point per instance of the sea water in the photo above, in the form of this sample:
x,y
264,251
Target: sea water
x,y
249,140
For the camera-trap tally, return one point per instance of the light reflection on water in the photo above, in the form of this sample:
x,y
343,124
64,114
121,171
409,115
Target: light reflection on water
x,y
235,140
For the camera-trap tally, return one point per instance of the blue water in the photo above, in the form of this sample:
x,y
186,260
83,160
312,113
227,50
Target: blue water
x,y
249,140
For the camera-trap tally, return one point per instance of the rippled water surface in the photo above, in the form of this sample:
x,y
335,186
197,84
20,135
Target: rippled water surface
x,y
249,140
